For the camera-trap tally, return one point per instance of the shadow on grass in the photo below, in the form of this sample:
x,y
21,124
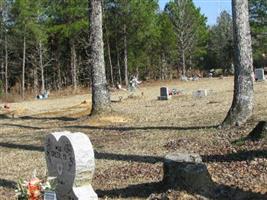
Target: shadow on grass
x,y
66,119
239,156
22,126
140,190
131,158
141,128
27,147
8,184
220,192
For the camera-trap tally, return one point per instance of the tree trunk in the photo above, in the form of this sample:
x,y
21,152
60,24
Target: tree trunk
x,y
23,68
6,67
100,93
183,61
242,104
118,63
164,69
57,67
110,64
35,81
74,66
41,66
125,56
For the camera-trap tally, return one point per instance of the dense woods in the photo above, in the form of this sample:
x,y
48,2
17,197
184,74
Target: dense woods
x,y
45,44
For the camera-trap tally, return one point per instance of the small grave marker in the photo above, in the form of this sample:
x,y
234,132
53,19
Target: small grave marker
x,y
164,94
259,74
70,158
200,93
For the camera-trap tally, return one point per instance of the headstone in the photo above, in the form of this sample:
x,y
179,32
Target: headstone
x,y
200,93
70,158
187,171
259,74
184,78
164,94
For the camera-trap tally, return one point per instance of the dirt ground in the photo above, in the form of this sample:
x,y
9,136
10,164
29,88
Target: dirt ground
x,y
130,144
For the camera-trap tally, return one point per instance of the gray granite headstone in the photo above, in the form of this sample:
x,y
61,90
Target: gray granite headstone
x,y
259,74
187,171
70,158
164,93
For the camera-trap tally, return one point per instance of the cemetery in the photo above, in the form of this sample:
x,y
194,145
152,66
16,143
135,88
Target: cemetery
x,y
145,149
133,100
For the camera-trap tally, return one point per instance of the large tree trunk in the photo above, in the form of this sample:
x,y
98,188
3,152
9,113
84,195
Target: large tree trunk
x,y
41,66
242,104
100,93
125,55
6,67
74,66
23,68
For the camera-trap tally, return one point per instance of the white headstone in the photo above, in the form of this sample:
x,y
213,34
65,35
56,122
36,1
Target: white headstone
x,y
200,93
70,158
259,74
164,93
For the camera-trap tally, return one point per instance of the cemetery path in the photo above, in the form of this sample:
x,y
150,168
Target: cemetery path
x,y
130,144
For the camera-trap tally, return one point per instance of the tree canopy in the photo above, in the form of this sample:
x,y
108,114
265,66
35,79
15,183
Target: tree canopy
x,y
139,39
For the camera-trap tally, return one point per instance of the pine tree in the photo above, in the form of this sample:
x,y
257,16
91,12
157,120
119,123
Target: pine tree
x,y
189,26
100,93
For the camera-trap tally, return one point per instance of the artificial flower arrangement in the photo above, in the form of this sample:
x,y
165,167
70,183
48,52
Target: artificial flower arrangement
x,y
35,188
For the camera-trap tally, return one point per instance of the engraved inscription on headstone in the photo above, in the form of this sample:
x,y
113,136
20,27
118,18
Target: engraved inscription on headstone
x,y
70,158
164,93
49,195
259,74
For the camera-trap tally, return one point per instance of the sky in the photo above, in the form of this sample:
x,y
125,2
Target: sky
x,y
210,8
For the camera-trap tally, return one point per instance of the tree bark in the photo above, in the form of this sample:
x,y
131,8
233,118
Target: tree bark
x,y
164,69
58,80
6,67
125,55
41,66
110,63
100,93
242,105
74,66
23,68
183,61
118,63
35,80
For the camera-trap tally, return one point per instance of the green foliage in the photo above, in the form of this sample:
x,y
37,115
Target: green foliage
x,y
220,44
66,18
190,29
155,39
258,22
